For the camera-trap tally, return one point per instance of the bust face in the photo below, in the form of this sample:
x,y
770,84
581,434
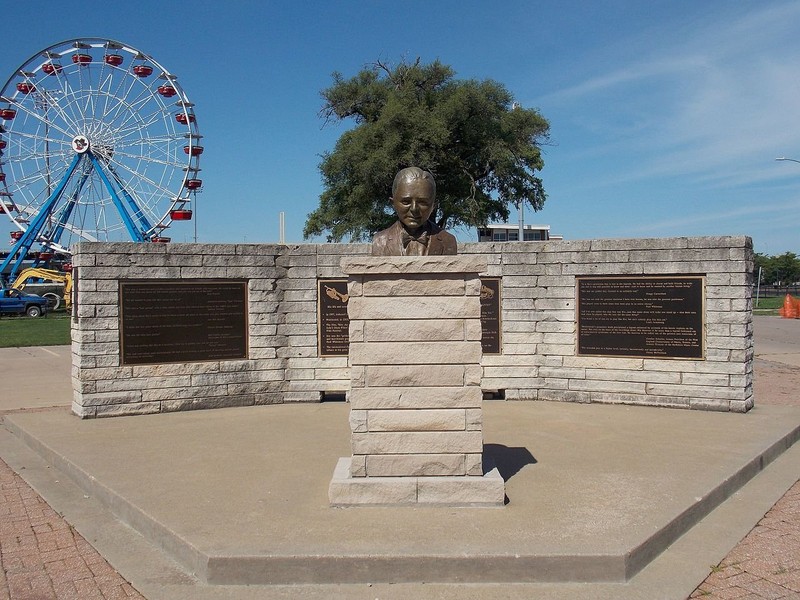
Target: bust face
x,y
414,201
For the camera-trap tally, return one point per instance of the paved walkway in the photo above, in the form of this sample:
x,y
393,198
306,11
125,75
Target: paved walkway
x,y
43,558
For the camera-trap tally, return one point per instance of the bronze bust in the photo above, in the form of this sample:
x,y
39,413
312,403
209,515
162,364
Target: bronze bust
x,y
414,234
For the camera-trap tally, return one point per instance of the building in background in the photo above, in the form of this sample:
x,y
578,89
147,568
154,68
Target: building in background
x,y
504,232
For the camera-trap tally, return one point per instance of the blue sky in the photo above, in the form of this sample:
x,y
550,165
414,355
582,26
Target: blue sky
x,y
666,117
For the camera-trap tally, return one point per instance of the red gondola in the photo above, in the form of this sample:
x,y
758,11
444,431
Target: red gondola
x,y
180,214
2,147
183,119
25,87
167,91
7,113
193,150
114,60
143,70
194,184
161,240
67,267
2,175
81,59
16,235
45,255
51,68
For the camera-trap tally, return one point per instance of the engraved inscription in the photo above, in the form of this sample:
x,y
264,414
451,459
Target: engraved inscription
x,y
333,324
490,315
660,317
182,321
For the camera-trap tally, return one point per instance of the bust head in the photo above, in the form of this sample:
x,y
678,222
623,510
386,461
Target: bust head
x,y
413,197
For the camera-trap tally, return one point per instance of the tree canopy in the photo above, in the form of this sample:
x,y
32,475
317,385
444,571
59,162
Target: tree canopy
x,y
778,270
481,147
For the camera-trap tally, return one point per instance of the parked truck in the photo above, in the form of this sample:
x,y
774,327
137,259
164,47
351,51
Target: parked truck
x,y
16,302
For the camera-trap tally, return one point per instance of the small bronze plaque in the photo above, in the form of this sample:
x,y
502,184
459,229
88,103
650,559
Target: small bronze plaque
x,y
171,321
491,341
333,324
651,317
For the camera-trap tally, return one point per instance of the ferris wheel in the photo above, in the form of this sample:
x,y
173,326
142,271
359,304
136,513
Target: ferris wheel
x,y
98,142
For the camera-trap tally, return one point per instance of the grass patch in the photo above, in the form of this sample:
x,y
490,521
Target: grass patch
x,y
18,332
768,306
769,303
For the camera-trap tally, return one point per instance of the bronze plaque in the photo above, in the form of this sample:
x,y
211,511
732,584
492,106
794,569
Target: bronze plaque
x,y
648,316
491,341
333,324
172,321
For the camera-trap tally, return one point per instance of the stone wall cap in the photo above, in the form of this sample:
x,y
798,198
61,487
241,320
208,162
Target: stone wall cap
x,y
374,265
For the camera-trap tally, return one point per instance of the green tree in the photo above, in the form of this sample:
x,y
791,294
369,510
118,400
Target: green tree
x,y
482,148
783,269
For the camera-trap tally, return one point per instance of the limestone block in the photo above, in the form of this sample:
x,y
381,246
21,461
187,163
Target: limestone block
x,y
473,374
373,492
473,464
367,265
264,398
630,387
415,286
339,374
625,375
296,260
563,395
488,490
415,398
126,385
308,273
358,378
710,393
422,352
226,401
410,465
82,411
709,404
704,379
599,362
509,371
435,307
358,466
106,373
119,410
300,295
357,331
105,398
413,420
358,421
474,420
472,330
413,330
417,442
257,387
415,375
172,369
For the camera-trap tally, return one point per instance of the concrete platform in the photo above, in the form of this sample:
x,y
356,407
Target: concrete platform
x,y
595,494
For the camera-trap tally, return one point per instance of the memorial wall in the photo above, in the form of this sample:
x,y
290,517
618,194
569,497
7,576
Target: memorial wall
x,y
665,322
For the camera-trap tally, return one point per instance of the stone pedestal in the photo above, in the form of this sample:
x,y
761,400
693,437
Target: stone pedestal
x,y
415,397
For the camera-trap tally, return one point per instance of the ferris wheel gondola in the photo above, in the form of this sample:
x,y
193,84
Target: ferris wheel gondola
x,y
98,142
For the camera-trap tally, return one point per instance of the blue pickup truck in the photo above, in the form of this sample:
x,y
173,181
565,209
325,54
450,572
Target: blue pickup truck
x,y
15,302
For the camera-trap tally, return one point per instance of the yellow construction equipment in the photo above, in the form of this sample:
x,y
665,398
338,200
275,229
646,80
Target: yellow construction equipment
x,y
36,280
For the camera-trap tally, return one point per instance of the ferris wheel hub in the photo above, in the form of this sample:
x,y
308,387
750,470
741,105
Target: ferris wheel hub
x,y
80,143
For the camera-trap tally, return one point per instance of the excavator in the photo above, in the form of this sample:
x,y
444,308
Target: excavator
x,y
54,285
